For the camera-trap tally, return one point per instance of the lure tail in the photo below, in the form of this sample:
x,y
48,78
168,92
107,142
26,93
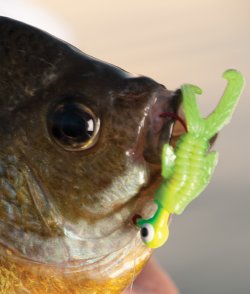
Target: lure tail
x,y
221,115
224,111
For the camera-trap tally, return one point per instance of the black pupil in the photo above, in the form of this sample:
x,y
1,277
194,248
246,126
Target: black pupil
x,y
72,124
144,232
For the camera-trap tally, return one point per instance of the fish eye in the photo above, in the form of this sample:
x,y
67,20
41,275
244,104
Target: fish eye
x,y
73,126
147,232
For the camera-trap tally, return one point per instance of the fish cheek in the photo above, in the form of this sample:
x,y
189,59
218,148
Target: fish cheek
x,y
74,180
82,183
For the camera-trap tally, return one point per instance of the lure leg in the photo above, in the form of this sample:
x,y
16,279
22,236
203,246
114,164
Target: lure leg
x,y
168,159
211,161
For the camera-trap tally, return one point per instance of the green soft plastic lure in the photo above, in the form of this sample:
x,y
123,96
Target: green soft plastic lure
x,y
187,170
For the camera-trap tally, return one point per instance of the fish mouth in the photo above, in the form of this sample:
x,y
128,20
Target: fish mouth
x,y
165,123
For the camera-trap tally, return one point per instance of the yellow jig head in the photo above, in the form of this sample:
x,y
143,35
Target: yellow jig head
x,y
187,170
154,231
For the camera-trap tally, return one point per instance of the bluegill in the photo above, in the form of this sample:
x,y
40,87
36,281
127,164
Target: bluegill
x,y
79,156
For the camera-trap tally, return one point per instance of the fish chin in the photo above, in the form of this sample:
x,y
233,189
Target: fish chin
x,y
110,273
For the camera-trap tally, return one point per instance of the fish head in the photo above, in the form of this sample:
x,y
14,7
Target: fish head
x,y
80,151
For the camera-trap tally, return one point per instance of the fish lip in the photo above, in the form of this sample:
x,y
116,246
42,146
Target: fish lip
x,y
159,130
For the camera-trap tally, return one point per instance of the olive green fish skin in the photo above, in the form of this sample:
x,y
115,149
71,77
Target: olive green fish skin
x,y
58,205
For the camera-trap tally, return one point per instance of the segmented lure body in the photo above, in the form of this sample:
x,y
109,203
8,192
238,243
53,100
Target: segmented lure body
x,y
187,169
190,173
